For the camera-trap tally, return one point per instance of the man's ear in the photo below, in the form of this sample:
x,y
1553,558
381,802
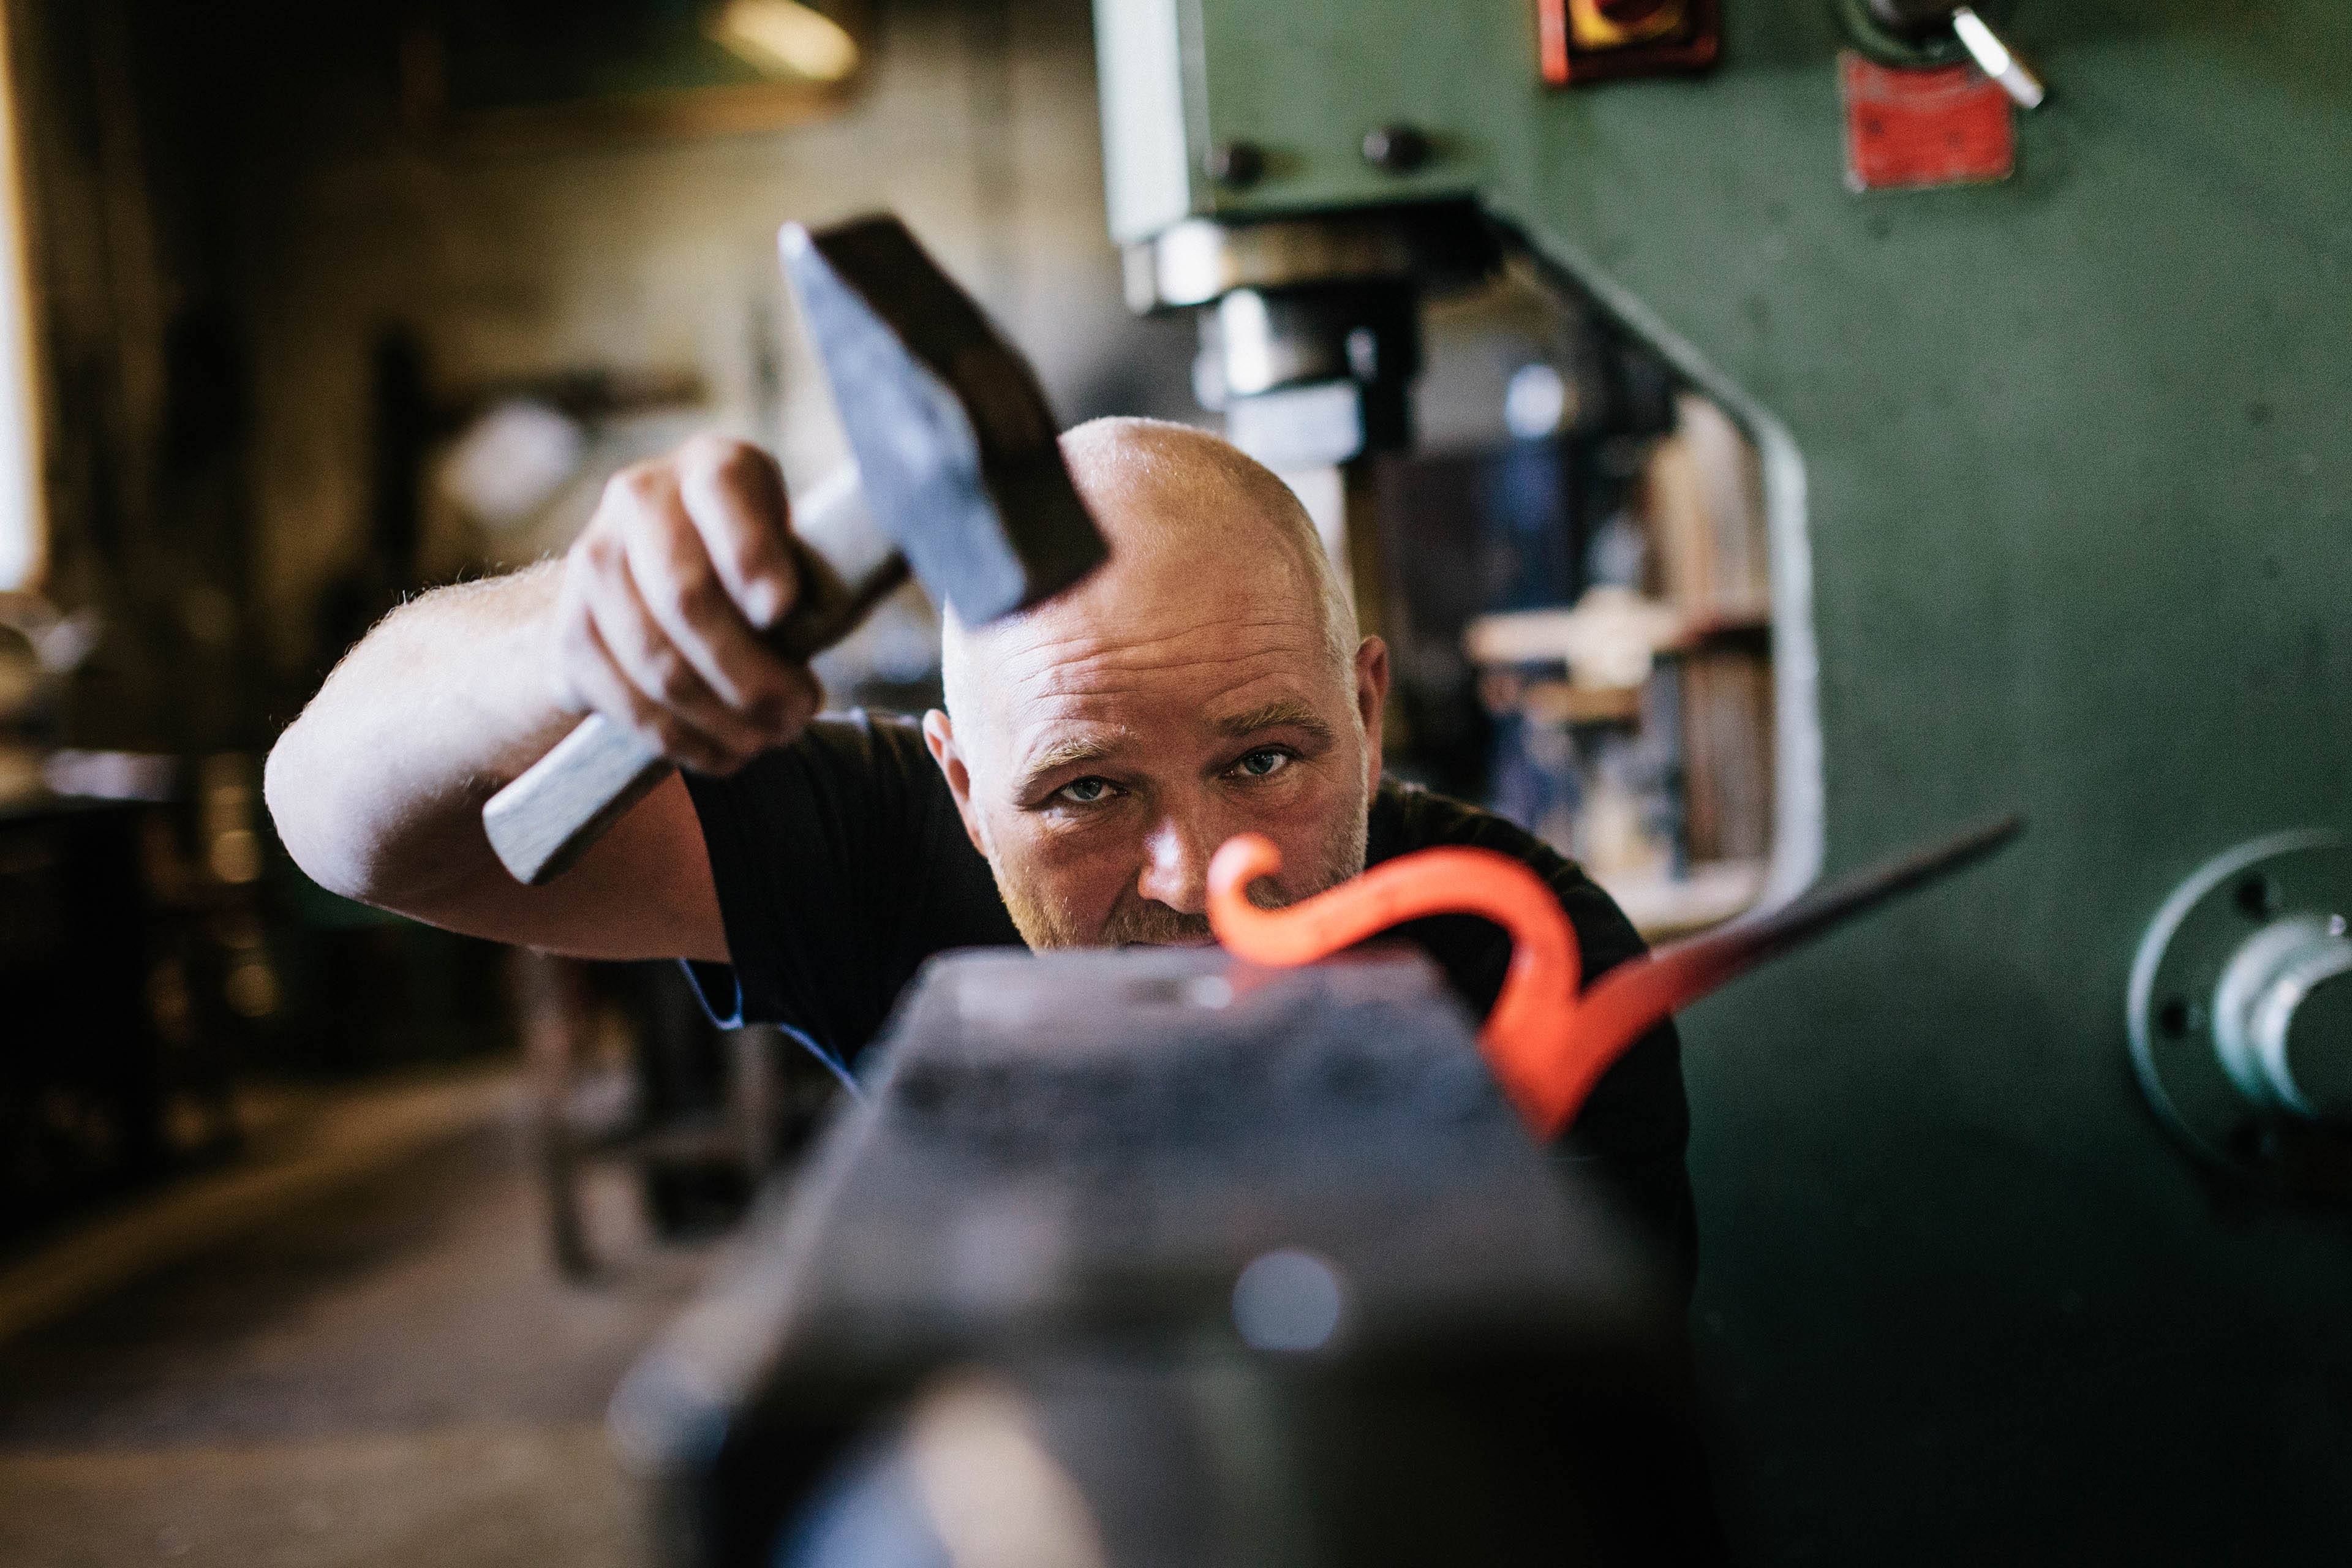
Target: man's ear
x,y
939,736
1371,700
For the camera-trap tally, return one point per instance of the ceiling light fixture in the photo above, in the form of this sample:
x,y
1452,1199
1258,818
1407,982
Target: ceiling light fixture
x,y
784,37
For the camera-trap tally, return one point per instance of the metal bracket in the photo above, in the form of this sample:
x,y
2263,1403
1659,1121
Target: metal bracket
x,y
2224,1030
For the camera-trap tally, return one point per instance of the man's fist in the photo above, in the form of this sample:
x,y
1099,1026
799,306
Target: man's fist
x,y
665,594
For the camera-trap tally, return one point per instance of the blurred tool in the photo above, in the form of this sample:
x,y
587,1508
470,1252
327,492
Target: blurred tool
x,y
963,466
1548,1045
1156,1257
629,1071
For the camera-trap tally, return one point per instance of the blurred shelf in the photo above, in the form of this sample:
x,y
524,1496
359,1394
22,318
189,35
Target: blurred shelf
x,y
1563,702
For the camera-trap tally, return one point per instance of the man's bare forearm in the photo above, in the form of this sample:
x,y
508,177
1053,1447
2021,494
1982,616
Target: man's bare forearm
x,y
651,618
377,789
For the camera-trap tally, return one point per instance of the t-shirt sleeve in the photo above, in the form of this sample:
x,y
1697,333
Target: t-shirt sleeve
x,y
840,865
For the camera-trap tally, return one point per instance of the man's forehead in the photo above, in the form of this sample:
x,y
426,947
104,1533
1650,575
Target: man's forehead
x,y
1207,590
1206,695
1191,622
1112,722
1071,656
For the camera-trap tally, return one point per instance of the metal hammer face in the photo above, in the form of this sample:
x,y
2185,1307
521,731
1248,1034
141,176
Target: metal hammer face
x,y
960,460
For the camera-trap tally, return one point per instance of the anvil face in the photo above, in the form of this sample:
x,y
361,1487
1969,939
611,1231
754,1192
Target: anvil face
x,y
1186,1218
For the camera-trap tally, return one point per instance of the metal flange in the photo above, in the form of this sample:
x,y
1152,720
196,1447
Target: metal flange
x,y
2240,1011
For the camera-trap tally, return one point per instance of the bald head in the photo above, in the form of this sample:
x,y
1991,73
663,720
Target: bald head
x,y
1181,508
1207,680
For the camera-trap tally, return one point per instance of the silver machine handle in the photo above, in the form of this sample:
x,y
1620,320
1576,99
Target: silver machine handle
x,y
1996,58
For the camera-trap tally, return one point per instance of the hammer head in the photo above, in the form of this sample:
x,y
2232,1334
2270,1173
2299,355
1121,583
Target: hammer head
x,y
954,441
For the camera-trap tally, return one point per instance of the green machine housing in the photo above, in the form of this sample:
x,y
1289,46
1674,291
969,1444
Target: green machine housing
x,y
2006,1255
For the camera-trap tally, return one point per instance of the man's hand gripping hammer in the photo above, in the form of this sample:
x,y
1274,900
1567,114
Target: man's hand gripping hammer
x,y
962,467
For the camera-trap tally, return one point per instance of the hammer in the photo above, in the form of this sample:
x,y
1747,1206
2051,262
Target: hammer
x,y
961,465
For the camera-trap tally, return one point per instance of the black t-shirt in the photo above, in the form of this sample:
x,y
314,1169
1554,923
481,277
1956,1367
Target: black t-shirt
x,y
842,865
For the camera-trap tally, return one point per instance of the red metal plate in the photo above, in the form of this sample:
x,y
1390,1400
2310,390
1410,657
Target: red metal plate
x,y
1908,129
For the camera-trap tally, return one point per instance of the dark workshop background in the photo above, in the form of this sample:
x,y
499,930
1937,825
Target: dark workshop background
x,y
277,1273
280,262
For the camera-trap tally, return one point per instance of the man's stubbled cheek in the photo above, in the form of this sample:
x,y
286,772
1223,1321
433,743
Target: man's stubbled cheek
x,y
1050,896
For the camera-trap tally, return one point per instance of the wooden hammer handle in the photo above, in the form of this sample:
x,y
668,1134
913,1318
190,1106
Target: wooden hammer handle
x,y
542,824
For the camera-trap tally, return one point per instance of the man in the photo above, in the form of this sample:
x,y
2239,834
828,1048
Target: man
x,y
1094,752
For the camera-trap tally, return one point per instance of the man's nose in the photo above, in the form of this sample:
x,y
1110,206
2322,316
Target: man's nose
x,y
1176,862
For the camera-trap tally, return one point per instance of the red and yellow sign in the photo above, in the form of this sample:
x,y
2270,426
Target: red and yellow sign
x,y
1584,40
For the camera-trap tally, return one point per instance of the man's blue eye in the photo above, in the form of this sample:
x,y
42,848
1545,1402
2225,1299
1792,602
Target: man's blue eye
x,y
1258,764
1086,792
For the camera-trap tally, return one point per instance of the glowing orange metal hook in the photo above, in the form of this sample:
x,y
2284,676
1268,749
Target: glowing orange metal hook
x,y
1546,1045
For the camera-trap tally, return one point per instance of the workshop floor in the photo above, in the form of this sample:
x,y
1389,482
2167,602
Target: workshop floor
x,y
377,1364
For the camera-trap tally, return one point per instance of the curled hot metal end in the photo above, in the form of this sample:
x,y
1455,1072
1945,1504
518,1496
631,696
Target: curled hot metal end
x,y
1548,1044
